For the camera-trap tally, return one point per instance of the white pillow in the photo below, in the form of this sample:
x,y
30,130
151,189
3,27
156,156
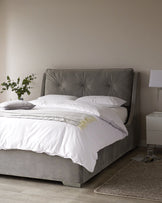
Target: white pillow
x,y
108,101
74,106
55,98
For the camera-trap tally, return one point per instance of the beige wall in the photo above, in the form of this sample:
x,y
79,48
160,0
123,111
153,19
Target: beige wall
x,y
83,33
2,42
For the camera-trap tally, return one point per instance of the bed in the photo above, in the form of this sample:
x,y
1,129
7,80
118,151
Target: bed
x,y
81,82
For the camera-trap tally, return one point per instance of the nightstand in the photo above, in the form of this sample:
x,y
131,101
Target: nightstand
x,y
154,128
153,131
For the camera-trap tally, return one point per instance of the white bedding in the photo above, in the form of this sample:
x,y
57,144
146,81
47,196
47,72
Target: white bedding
x,y
122,112
63,139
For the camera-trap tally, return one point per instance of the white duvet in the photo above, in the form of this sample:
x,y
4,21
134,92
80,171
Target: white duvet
x,y
60,138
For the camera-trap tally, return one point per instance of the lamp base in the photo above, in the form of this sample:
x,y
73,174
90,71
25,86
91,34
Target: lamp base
x,y
157,104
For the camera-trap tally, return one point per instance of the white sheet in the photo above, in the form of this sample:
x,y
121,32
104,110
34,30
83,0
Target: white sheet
x,y
122,112
62,139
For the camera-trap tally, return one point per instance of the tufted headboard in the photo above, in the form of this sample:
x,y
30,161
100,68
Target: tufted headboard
x,y
81,82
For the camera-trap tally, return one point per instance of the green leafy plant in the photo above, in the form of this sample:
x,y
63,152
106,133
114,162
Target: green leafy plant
x,y
20,88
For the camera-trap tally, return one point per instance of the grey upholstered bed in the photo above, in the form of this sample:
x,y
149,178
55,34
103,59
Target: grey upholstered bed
x,y
116,82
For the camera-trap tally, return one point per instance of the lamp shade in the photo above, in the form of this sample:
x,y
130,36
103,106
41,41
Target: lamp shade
x,y
155,78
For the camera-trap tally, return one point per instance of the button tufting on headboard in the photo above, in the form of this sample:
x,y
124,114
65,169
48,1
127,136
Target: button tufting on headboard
x,y
82,85
81,82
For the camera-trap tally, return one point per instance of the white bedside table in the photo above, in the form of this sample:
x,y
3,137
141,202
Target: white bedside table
x,y
153,131
154,128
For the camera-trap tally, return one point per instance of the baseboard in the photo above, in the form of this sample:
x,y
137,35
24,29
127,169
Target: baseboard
x,y
142,143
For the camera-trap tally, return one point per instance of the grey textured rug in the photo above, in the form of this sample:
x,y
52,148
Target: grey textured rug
x,y
136,180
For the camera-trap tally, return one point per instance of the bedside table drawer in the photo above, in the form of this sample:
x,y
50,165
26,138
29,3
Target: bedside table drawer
x,y
154,137
154,123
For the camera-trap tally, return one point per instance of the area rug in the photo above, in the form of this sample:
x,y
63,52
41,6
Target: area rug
x,y
136,180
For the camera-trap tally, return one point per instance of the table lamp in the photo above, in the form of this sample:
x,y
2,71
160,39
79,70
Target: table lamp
x,y
156,81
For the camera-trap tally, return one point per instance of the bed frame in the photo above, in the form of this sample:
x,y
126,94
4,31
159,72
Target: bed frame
x,y
115,82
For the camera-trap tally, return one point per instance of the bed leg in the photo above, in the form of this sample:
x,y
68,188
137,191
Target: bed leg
x,y
78,185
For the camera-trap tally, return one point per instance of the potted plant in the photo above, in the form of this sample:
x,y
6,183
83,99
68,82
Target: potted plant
x,y
20,88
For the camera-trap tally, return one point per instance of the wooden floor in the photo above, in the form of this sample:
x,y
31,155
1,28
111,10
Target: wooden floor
x,y
14,189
